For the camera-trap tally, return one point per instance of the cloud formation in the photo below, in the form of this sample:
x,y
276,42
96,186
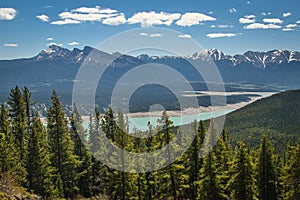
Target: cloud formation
x,y
184,36
43,18
220,35
273,20
7,13
73,43
247,19
54,43
115,21
262,26
288,29
96,9
66,21
222,26
151,35
50,39
147,19
11,45
94,14
286,14
291,25
232,10
190,19
266,13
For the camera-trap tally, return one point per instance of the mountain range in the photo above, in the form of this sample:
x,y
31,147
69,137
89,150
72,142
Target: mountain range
x,y
56,67
56,63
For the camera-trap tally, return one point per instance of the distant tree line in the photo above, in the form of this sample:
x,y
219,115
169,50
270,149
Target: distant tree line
x,y
54,163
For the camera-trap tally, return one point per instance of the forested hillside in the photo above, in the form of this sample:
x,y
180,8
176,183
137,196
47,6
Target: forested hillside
x,y
277,116
52,162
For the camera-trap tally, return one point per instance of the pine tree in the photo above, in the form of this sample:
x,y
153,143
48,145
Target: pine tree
x,y
40,171
19,129
266,174
292,179
194,160
223,153
242,182
62,149
167,128
8,155
210,180
79,137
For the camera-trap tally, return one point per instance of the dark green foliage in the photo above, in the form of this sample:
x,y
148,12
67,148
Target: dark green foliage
x,y
79,137
63,159
292,179
55,161
242,183
277,117
210,187
40,171
8,154
266,171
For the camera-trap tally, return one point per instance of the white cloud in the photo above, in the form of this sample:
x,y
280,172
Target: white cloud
x,y
10,45
244,20
94,14
232,10
50,39
262,26
73,43
96,9
273,20
184,36
266,13
249,16
43,18
151,35
54,43
210,12
7,13
222,26
153,18
247,19
248,2
144,34
286,14
190,19
155,35
66,21
291,25
220,35
288,29
85,16
298,22
115,21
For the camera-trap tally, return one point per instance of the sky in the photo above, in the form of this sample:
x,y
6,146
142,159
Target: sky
x,y
232,26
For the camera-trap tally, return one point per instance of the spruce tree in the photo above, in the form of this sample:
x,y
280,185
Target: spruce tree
x,y
209,183
9,157
40,171
242,182
19,129
292,179
266,174
79,137
62,149
194,160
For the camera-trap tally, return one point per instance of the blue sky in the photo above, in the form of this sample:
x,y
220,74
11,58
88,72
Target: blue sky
x,y
233,26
